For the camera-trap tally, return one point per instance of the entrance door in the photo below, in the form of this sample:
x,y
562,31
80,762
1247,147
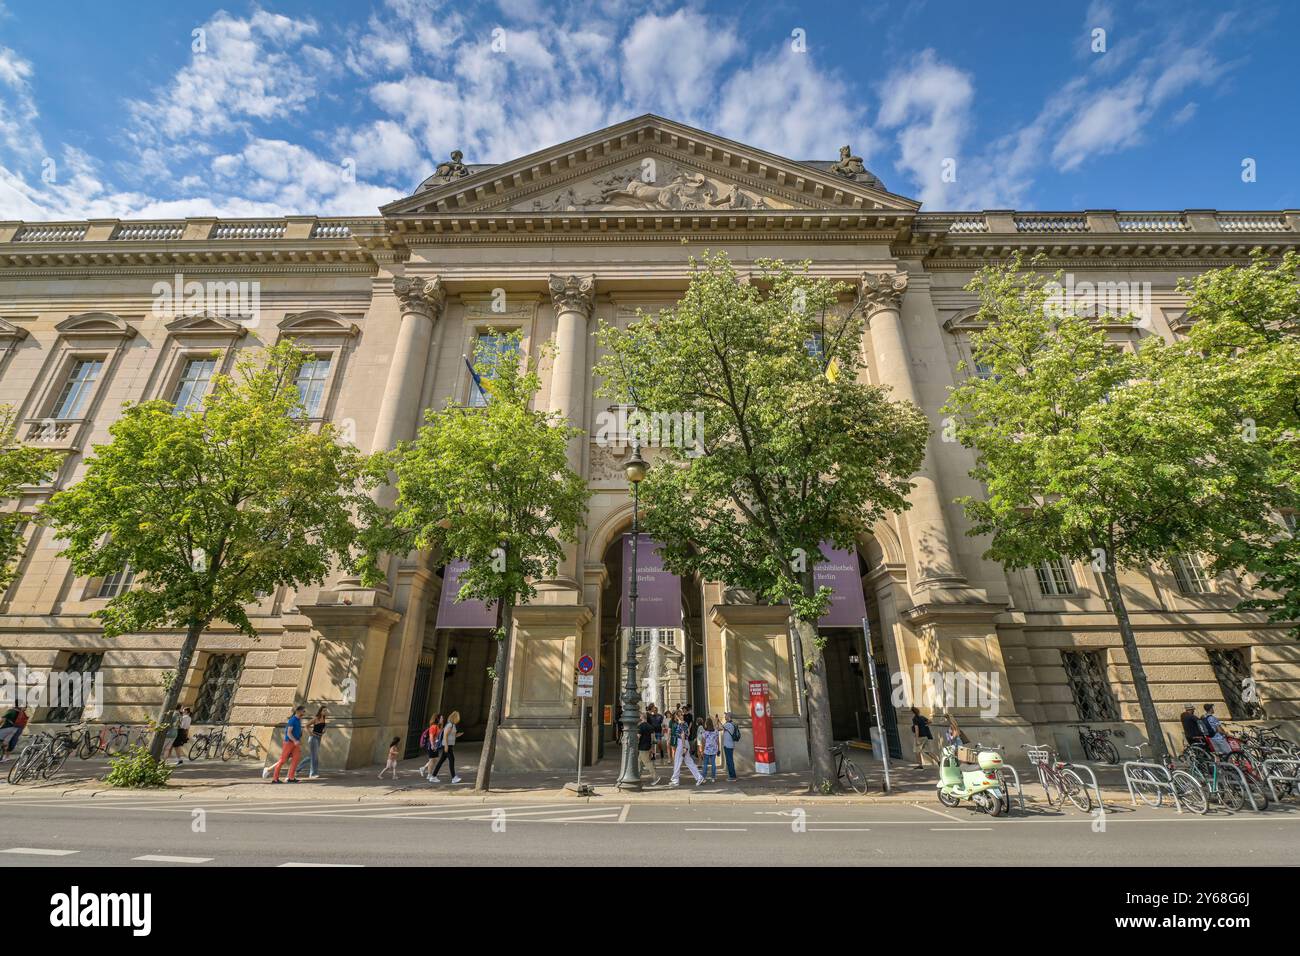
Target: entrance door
x,y
850,713
415,721
467,687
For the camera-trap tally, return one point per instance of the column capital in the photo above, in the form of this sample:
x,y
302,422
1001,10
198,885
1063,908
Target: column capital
x,y
420,296
573,293
882,290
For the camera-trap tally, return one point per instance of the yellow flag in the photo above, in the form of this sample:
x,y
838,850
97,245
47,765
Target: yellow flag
x,y
833,370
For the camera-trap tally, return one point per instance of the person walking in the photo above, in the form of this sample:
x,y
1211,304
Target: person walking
x,y
11,727
431,743
922,738
449,733
683,755
730,737
393,754
709,744
318,725
184,719
657,723
292,745
645,740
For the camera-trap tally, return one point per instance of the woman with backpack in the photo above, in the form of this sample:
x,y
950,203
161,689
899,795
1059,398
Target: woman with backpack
x,y
431,744
449,732
730,737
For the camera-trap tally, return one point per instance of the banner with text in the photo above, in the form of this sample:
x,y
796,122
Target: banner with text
x,y
839,572
659,593
453,613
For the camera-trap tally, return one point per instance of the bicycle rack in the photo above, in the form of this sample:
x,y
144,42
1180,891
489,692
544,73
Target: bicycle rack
x,y
1166,784
1250,794
1020,794
1270,776
1076,767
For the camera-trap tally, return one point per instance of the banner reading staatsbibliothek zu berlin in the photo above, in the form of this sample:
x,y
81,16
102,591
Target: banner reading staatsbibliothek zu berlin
x,y
659,592
839,572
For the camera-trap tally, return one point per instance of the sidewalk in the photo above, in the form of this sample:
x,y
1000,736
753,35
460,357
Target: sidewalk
x,y
243,781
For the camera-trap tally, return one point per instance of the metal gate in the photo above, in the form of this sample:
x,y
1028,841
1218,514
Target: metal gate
x,y
888,717
419,705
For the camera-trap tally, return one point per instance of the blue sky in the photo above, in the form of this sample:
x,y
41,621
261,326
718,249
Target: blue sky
x,y
167,109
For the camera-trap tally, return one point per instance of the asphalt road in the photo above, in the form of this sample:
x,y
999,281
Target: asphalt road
x,y
137,830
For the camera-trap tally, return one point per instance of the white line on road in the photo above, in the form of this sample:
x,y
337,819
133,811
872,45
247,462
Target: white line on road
x,y
36,851
957,829
946,816
323,864
715,829
839,829
622,817
154,858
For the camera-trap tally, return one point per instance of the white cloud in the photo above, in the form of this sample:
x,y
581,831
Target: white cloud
x,y
18,112
672,62
929,104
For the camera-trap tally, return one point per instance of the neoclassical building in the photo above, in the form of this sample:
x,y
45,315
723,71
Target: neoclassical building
x,y
99,313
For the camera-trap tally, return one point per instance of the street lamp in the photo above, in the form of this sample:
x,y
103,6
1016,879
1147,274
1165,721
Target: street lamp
x,y
630,778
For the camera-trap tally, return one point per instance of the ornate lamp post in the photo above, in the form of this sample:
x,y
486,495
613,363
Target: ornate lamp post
x,y
630,778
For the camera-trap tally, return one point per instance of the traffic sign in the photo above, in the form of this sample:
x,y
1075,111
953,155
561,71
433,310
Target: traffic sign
x,y
586,680
586,664
585,691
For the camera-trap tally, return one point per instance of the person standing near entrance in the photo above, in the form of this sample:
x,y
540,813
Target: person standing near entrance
x,y
431,741
292,745
683,755
922,738
645,740
657,724
449,732
709,737
730,737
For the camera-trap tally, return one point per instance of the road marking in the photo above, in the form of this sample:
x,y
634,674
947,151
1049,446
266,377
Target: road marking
x,y
622,817
715,829
323,864
154,858
946,816
840,829
957,829
36,851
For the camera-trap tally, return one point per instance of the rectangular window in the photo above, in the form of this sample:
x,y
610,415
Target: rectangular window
x,y
492,349
644,635
311,384
1085,671
1055,577
77,664
1190,574
75,393
193,384
217,692
117,583
1238,687
816,347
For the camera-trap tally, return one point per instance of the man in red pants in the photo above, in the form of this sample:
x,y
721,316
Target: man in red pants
x,y
292,745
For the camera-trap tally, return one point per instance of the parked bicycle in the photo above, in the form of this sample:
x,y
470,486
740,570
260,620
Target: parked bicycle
x,y
847,770
1059,780
108,740
1224,785
243,747
209,744
1095,744
43,757
1191,794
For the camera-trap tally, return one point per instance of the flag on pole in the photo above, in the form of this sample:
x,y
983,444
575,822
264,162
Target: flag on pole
x,y
478,379
833,370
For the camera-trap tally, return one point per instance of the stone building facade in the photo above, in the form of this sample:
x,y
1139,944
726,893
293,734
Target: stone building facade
x,y
550,245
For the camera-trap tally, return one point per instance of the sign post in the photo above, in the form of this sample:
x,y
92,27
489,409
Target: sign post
x,y
586,685
875,702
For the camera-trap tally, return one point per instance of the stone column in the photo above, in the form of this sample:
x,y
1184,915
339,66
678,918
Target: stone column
x,y
882,296
422,302
574,298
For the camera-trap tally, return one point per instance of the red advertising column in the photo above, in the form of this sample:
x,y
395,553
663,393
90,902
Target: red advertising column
x,y
760,712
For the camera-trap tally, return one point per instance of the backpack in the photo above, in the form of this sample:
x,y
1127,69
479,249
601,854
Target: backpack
x,y
735,732
424,739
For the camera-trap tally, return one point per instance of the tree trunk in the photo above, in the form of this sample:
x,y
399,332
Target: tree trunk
x,y
819,710
500,672
173,695
1154,734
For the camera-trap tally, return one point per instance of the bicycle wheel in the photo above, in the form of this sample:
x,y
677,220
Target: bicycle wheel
x,y
1108,751
1075,789
199,748
116,744
1052,787
1190,792
854,777
1147,787
87,746
18,769
55,761
1231,794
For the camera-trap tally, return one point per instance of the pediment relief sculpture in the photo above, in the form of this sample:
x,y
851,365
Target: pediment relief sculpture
x,y
661,187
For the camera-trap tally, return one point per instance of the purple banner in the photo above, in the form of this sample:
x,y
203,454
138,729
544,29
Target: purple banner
x,y
453,613
840,573
658,593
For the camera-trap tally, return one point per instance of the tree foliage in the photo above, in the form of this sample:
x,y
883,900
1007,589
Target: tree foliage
x,y
20,466
797,449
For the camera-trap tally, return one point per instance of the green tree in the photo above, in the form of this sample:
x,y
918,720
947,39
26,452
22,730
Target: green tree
x,y
796,450
20,465
1248,319
214,508
1091,453
491,486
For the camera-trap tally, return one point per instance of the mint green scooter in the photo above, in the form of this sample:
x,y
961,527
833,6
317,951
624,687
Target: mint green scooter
x,y
980,785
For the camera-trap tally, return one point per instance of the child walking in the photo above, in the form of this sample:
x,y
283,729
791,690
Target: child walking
x,y
393,753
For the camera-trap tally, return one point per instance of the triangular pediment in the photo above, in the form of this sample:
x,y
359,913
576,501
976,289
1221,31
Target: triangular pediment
x,y
648,165
205,323
10,332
